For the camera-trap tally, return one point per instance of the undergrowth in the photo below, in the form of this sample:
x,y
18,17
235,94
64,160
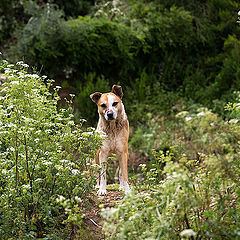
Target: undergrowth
x,y
189,186
46,174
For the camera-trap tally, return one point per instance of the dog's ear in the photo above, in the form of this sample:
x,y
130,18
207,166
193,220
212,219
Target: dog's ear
x,y
95,96
117,90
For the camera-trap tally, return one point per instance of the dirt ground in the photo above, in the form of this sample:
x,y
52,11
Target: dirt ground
x,y
93,220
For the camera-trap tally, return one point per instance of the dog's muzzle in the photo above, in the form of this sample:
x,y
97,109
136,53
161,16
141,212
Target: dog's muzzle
x,y
110,115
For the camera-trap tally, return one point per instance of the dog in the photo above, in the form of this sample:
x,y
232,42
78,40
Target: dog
x,y
113,122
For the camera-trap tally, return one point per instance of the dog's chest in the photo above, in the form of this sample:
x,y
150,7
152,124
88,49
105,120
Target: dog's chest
x,y
113,144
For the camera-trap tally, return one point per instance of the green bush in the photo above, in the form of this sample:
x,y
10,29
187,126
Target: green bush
x,y
229,76
184,44
187,46
193,198
76,47
15,14
11,13
38,42
167,120
85,108
101,46
203,205
45,156
189,191
159,214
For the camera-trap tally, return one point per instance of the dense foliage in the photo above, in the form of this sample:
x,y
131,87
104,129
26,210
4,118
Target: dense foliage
x,y
192,190
191,47
14,14
45,159
178,62
188,46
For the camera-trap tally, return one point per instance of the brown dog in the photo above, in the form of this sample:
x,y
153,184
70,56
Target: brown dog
x,y
114,124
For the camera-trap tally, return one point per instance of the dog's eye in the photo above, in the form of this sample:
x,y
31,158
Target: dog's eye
x,y
103,105
115,104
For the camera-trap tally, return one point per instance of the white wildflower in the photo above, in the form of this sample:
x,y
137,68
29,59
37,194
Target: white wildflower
x,y
201,114
47,163
71,123
82,120
26,186
153,169
12,149
22,155
182,114
35,76
60,199
25,65
78,199
20,63
188,119
15,82
87,134
75,172
188,233
233,121
12,125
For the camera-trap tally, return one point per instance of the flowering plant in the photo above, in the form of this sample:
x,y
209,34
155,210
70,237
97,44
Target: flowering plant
x,y
43,155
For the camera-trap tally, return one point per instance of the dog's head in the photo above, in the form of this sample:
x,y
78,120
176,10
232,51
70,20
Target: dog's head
x,y
109,104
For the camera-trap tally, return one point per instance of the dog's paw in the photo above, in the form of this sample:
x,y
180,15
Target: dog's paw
x,y
121,186
125,187
127,190
102,191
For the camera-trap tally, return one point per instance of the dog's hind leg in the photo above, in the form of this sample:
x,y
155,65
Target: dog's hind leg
x,y
98,175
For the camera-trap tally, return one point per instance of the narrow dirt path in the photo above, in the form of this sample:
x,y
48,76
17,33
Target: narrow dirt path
x,y
93,219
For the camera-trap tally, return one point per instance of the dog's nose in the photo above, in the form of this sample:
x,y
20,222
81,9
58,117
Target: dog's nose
x,y
110,115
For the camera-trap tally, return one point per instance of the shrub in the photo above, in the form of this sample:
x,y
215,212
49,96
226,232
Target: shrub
x,y
44,156
199,204
84,106
192,190
76,47
185,45
39,41
11,13
154,215
229,76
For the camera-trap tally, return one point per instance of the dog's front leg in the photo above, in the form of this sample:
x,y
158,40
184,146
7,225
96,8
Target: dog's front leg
x,y
123,175
103,178
121,178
